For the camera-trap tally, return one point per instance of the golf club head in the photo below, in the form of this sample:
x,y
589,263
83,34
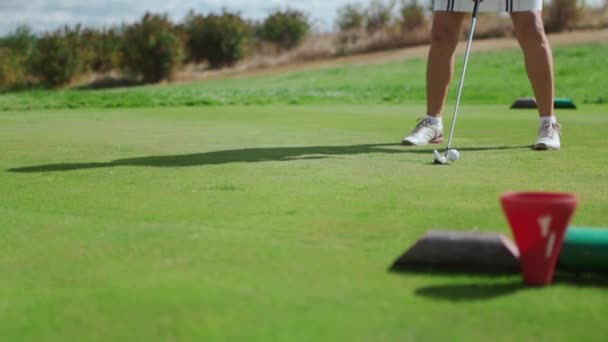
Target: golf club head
x,y
439,159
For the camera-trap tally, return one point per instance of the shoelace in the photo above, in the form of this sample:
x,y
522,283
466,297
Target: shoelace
x,y
549,129
422,122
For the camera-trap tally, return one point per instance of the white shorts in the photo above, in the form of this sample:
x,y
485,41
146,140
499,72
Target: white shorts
x,y
488,5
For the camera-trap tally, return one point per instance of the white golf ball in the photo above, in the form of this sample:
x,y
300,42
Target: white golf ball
x,y
453,155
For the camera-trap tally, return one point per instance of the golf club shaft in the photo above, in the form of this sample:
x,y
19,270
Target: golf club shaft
x,y
464,71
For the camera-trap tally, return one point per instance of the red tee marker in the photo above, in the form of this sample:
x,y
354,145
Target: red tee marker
x,y
538,221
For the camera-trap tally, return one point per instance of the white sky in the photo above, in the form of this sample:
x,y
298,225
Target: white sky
x,y
44,15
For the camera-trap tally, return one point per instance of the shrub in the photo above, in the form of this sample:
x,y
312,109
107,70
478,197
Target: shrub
x,y
350,17
562,15
15,52
12,71
152,48
55,61
108,50
100,49
379,14
219,39
412,14
286,28
21,42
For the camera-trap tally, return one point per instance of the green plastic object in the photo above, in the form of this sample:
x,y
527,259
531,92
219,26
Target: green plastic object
x,y
563,104
585,250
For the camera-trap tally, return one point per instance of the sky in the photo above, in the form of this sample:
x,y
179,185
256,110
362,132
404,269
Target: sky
x,y
45,15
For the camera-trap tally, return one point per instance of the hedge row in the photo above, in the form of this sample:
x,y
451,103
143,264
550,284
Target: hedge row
x,y
149,50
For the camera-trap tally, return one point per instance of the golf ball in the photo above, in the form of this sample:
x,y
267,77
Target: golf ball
x,y
453,155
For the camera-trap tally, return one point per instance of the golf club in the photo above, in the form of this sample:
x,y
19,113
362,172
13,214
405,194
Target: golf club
x,y
452,154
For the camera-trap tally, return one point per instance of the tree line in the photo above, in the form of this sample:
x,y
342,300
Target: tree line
x,y
153,48
149,50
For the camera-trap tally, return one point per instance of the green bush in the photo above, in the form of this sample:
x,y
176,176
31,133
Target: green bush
x,y
412,14
55,61
562,15
350,16
100,49
379,14
152,48
220,39
73,36
21,42
12,69
15,53
286,28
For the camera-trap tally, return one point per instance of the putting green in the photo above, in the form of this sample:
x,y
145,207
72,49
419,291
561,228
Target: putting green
x,y
276,223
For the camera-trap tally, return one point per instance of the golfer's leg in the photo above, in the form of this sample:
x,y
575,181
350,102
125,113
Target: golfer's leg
x,y
538,57
445,35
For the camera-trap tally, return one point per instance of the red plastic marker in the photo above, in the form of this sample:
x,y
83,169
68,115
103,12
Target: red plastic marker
x,y
538,221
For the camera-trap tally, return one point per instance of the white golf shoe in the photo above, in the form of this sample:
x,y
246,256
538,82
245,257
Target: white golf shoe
x,y
548,137
426,132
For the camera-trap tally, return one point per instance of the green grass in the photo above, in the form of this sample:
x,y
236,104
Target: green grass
x,y
278,222
580,74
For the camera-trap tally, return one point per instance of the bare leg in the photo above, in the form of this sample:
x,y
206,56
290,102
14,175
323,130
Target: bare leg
x,y
538,57
445,35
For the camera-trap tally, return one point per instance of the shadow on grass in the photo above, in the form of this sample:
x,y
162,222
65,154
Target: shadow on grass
x,y
477,291
469,292
487,290
247,155
109,83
